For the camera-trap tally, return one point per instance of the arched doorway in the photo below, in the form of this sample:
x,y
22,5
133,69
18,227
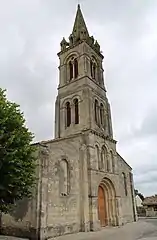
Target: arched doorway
x,y
102,207
107,213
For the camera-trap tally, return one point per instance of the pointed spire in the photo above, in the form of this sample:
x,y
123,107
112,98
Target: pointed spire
x,y
80,30
80,34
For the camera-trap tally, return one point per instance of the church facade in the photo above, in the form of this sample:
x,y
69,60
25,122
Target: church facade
x,y
83,183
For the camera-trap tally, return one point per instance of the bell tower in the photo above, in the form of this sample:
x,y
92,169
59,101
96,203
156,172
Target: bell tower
x,y
81,103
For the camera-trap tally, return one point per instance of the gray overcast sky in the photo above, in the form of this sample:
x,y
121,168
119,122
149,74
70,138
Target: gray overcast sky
x,y
30,33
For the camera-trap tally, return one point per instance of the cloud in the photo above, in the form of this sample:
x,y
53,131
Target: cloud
x,y
30,33
148,127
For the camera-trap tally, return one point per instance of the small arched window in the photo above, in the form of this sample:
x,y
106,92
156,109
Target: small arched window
x,y
71,70
68,114
64,178
76,111
94,70
96,106
75,68
125,183
107,164
102,160
103,157
101,114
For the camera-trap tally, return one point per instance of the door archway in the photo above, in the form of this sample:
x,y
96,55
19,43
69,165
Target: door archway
x,y
102,207
107,213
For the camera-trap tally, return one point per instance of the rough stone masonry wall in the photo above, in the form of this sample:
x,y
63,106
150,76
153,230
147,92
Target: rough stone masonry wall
x,y
61,213
150,211
126,200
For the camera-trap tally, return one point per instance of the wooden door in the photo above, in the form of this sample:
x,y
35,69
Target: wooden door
x,y
101,207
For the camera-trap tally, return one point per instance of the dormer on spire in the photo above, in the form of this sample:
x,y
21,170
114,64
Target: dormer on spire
x,y
80,31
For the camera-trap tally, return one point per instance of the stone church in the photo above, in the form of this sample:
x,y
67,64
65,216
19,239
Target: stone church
x,y
83,184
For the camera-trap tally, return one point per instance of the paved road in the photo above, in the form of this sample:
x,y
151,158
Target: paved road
x,y
151,233
144,229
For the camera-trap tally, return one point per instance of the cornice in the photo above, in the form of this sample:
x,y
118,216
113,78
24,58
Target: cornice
x,y
101,135
76,44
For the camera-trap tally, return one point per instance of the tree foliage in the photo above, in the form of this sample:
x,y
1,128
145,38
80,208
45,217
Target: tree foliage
x,y
17,158
137,193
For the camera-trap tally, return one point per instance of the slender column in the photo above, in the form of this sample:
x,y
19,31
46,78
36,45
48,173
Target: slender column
x,y
84,189
95,225
113,204
44,154
107,220
110,211
119,211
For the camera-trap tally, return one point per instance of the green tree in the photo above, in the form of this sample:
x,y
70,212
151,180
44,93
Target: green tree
x,y
137,193
17,158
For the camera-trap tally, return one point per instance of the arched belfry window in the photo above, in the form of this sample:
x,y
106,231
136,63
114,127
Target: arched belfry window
x,y
101,114
93,68
76,106
96,111
73,68
68,114
125,183
64,178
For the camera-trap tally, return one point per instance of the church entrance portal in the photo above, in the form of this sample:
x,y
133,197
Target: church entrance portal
x,y
101,206
107,203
